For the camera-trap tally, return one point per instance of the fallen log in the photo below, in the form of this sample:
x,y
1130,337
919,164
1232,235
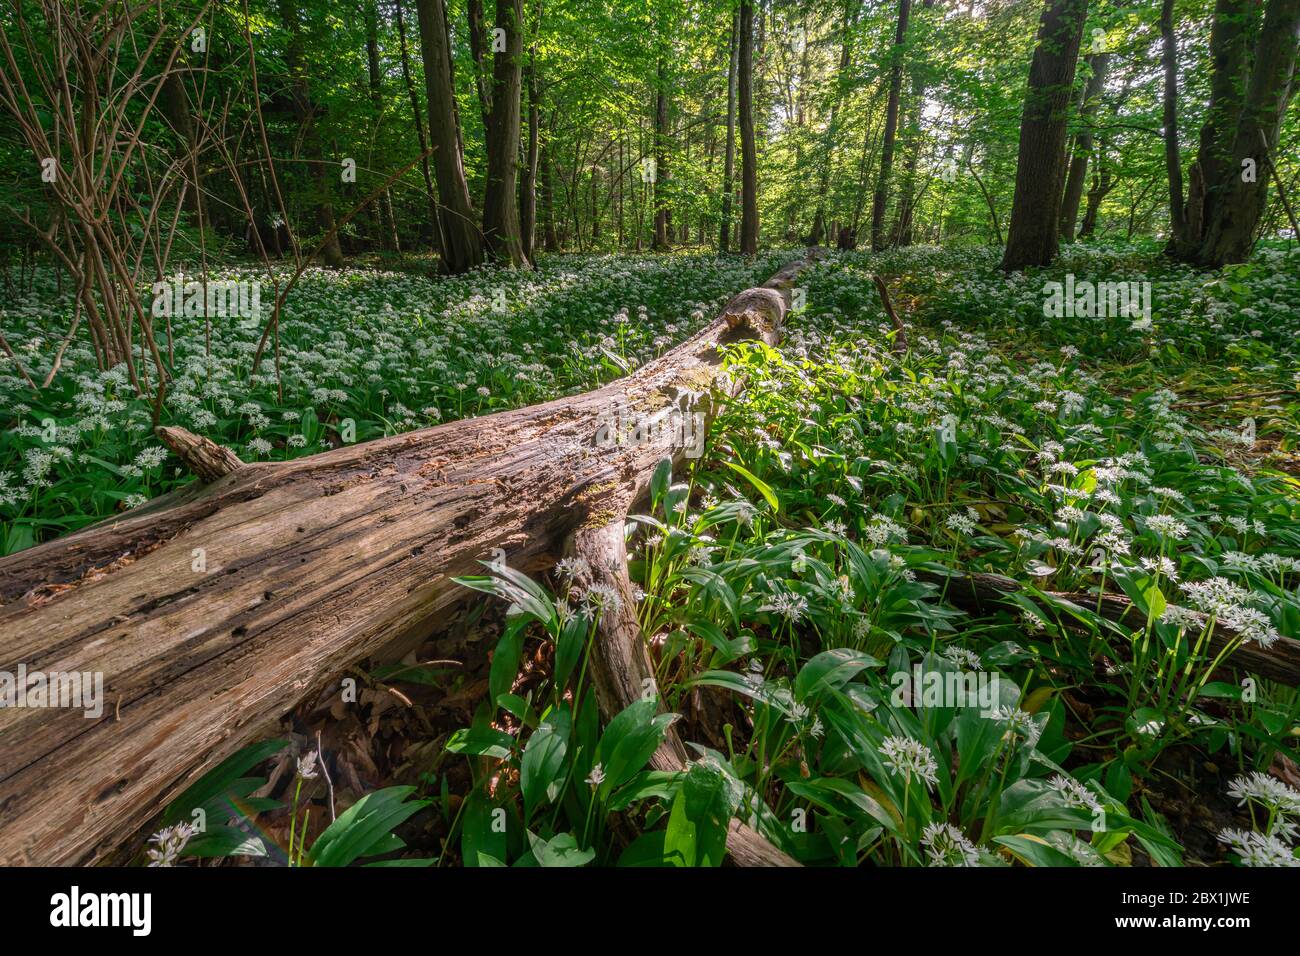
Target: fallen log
x,y
981,593
211,612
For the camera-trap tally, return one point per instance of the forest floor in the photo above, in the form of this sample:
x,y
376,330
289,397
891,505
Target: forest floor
x,y
794,582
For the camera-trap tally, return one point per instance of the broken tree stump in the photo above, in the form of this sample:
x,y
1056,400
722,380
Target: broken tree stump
x,y
212,611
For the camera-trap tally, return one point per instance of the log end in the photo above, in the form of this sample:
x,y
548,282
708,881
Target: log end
x,y
202,456
757,313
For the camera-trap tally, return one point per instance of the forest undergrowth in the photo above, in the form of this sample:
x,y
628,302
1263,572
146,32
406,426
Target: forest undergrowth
x,y
798,584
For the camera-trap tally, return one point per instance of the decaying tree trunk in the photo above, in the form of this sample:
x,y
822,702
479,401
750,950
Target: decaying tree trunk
x,y
622,670
982,593
210,612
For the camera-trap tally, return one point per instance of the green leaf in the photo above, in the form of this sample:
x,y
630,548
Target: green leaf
x,y
543,761
697,825
365,828
645,850
561,850
569,646
482,841
762,487
628,742
830,670
505,660
659,481
1034,853
219,779
482,741
224,841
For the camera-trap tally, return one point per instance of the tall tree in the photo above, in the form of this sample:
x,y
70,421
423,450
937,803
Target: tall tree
x,y
305,112
462,246
546,190
881,198
663,134
1229,228
748,155
388,223
1103,181
1233,34
1033,236
1169,117
528,175
1099,64
500,201
1251,83
478,52
430,196
175,105
729,151
827,152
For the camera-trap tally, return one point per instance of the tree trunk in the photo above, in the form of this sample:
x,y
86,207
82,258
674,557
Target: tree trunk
x,y
176,108
210,612
748,158
729,152
430,196
662,136
1033,235
1169,116
528,176
550,241
1102,184
881,198
1232,44
305,113
388,224
819,231
462,247
478,51
500,201
1100,63
1229,229
907,192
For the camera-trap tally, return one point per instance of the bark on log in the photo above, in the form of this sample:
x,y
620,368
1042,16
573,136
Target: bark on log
x,y
211,612
203,457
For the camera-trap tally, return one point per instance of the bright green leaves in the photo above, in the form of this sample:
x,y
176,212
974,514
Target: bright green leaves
x,y
543,765
701,813
365,828
762,487
628,742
